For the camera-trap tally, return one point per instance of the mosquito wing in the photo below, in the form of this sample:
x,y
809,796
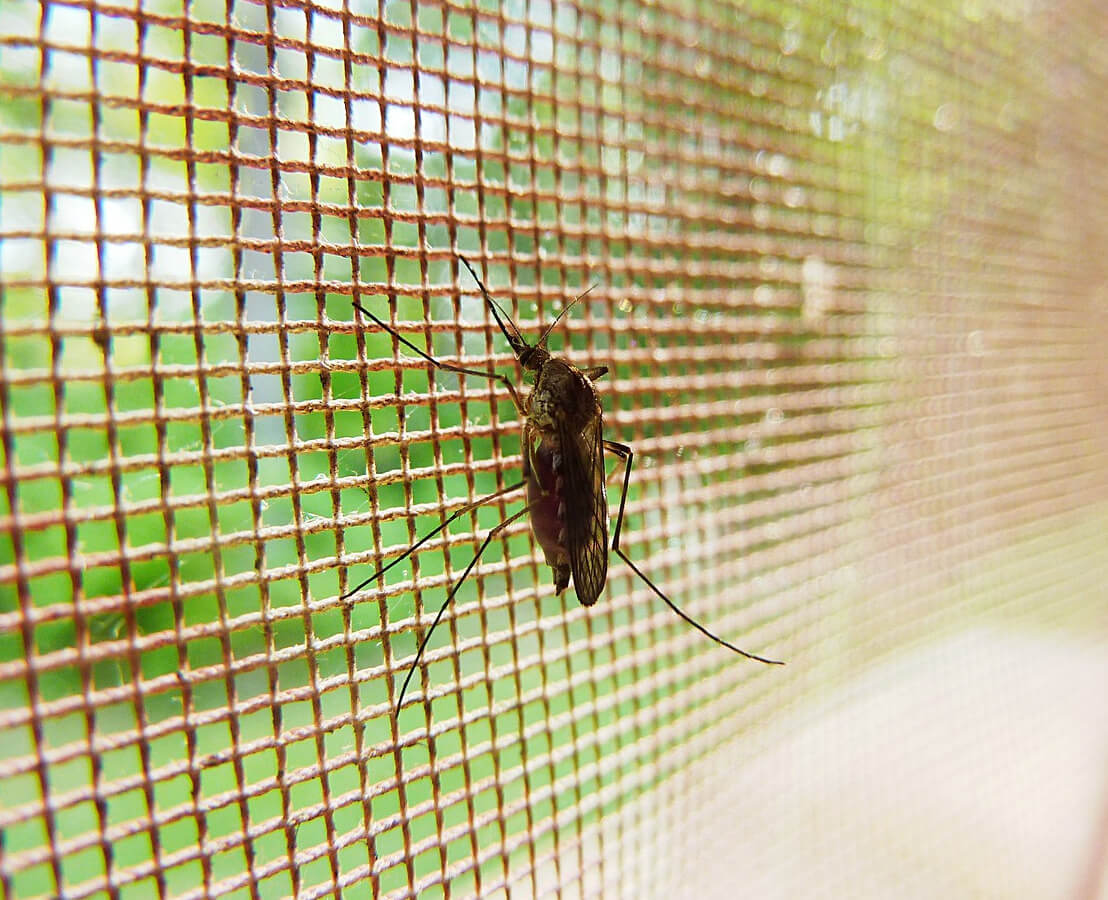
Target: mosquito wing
x,y
586,509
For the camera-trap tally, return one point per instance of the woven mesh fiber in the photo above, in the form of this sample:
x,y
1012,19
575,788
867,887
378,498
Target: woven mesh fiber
x,y
850,280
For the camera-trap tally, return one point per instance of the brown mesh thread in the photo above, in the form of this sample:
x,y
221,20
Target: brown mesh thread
x,y
849,269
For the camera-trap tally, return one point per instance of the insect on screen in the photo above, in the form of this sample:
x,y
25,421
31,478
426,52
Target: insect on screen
x,y
845,266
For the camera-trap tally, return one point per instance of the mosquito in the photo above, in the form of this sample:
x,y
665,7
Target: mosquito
x,y
563,474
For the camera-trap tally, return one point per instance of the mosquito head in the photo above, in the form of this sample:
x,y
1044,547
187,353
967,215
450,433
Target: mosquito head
x,y
532,358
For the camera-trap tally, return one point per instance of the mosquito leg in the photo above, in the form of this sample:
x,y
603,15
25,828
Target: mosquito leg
x,y
449,597
628,455
625,453
423,540
438,364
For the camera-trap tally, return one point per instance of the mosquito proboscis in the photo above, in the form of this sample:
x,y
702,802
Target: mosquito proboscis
x,y
563,474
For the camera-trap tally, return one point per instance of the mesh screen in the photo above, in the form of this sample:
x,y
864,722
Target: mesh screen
x,y
850,284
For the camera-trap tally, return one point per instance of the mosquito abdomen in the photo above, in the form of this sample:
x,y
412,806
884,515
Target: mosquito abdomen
x,y
548,511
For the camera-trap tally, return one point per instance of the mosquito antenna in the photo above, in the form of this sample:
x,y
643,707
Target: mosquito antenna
x,y
558,318
519,344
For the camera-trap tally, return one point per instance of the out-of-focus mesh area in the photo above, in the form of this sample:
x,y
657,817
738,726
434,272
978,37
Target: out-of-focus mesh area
x,y
851,284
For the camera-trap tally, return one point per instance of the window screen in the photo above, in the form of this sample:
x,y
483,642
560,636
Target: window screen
x,y
848,275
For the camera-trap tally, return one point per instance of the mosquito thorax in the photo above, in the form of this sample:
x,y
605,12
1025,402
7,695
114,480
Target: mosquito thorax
x,y
563,395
